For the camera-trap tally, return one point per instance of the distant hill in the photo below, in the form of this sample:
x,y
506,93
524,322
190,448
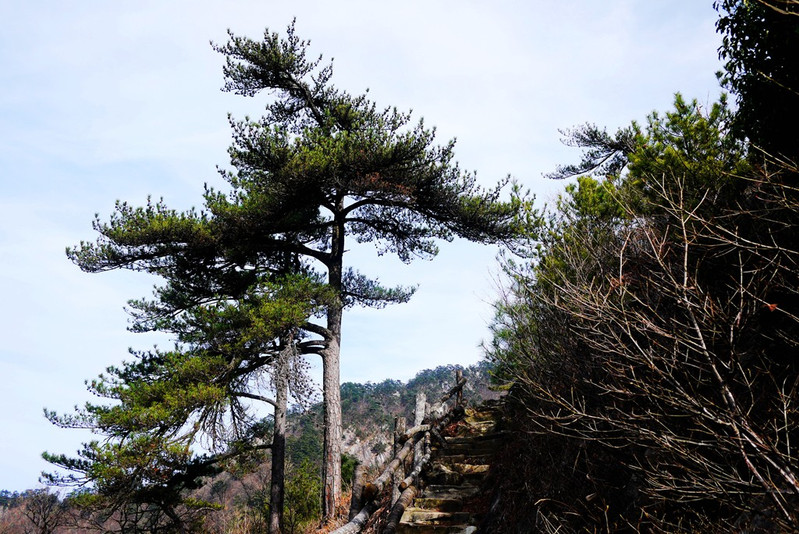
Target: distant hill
x,y
368,412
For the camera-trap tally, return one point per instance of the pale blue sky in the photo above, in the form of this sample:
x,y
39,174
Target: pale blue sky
x,y
117,100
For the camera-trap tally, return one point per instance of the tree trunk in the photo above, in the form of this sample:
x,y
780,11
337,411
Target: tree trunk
x,y
331,382
331,462
277,484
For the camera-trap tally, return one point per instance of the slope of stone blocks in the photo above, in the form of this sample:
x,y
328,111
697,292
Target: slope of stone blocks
x,y
452,500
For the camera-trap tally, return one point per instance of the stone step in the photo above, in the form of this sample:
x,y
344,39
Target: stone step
x,y
457,474
469,469
422,516
454,476
439,491
412,528
460,458
486,441
491,438
468,447
473,416
451,504
481,415
477,428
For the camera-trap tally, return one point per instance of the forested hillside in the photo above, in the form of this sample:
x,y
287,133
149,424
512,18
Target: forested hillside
x,y
369,410
237,498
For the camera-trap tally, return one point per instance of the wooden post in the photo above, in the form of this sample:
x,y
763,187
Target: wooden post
x,y
458,377
396,480
421,408
419,413
399,474
357,489
399,431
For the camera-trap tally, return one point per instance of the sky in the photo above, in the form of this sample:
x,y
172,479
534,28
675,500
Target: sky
x,y
103,101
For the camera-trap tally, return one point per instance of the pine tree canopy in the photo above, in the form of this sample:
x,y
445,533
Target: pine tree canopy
x,y
247,277
318,160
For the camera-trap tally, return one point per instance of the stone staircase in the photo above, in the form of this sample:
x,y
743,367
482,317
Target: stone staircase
x,y
451,500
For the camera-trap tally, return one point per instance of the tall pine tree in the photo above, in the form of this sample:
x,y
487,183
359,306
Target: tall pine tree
x,y
320,168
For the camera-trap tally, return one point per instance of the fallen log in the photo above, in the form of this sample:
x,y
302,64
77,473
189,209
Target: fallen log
x,y
357,523
357,490
399,508
411,432
453,390
415,473
371,490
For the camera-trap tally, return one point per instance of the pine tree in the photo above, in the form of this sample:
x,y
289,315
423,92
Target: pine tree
x,y
320,168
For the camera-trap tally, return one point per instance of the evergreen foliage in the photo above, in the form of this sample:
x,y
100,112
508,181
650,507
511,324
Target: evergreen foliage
x,y
247,278
234,494
302,489
650,334
759,44
651,338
